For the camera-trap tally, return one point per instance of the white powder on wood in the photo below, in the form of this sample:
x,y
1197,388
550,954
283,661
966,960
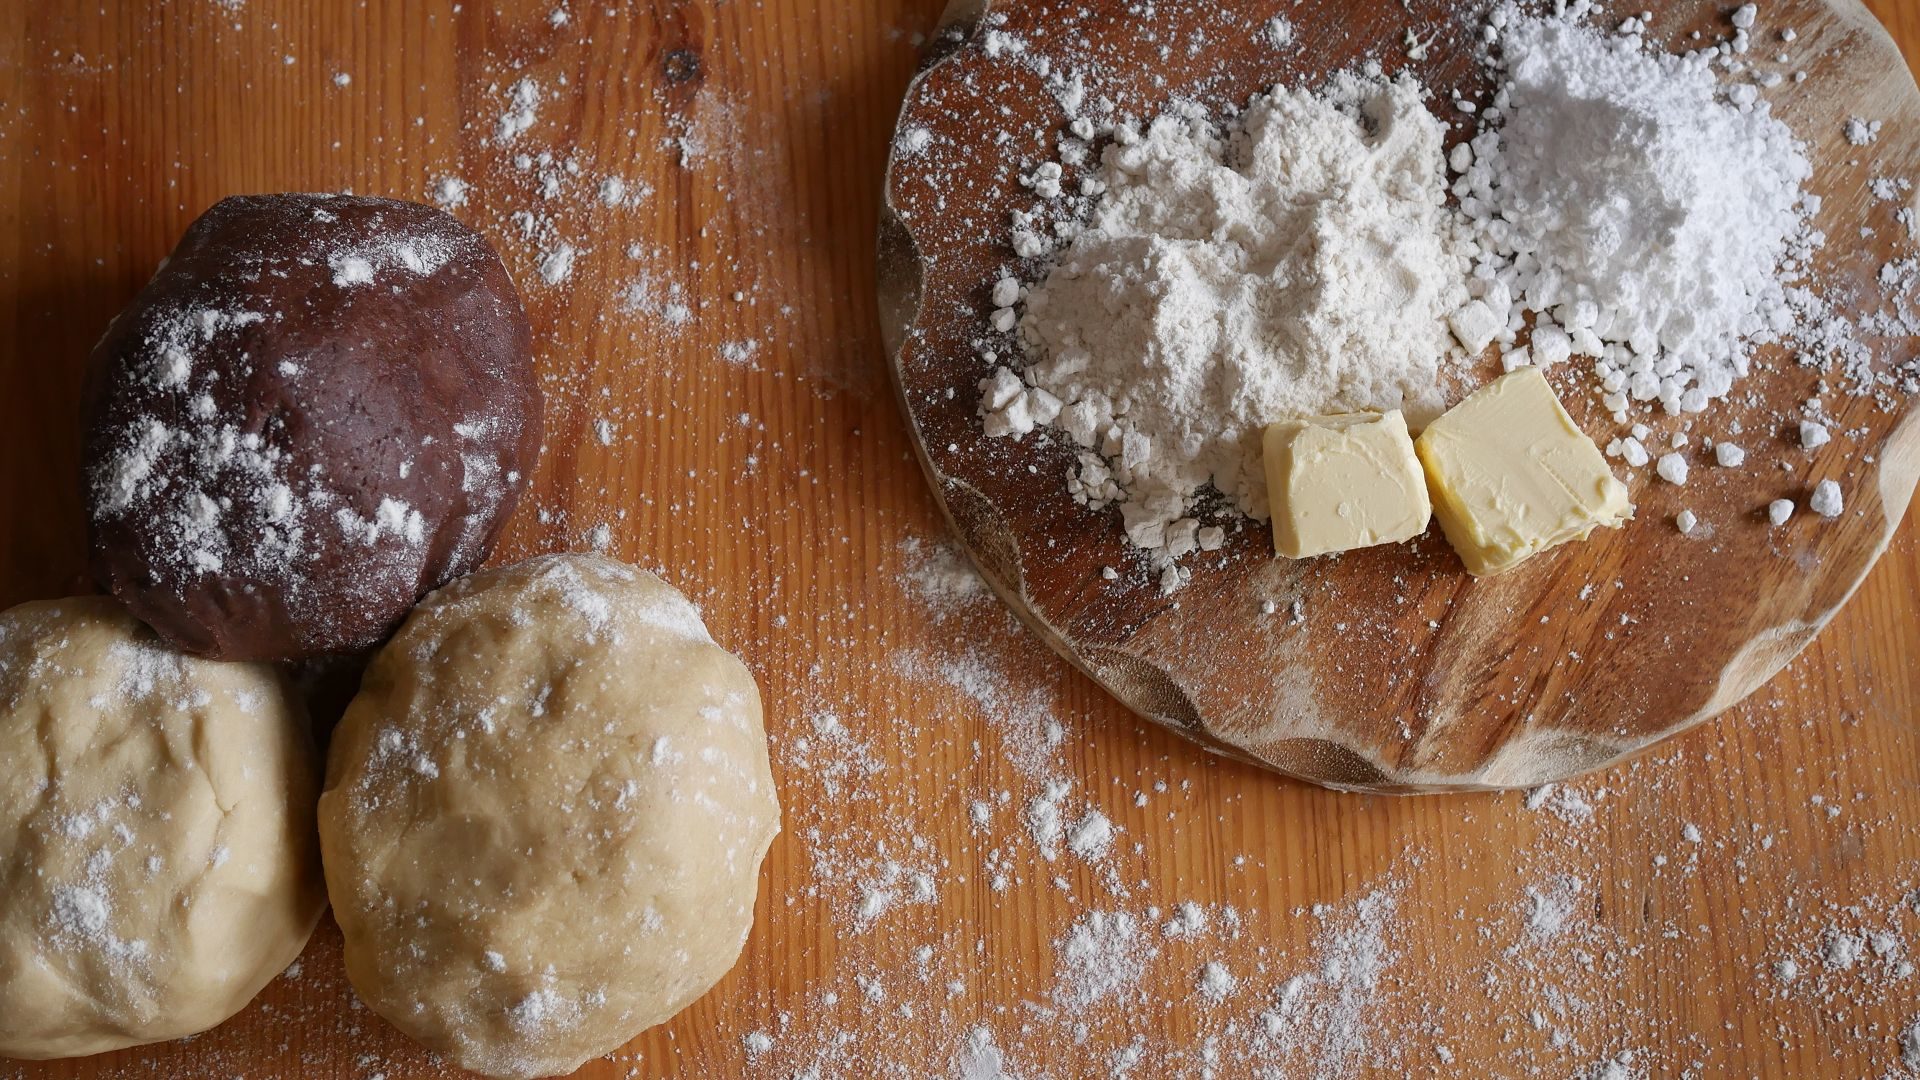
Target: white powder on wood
x,y
942,578
1091,836
523,106
1044,820
556,266
1217,984
1189,919
449,192
1550,908
1620,1067
1102,956
1023,715
1327,1016
1840,950
980,1059
1826,499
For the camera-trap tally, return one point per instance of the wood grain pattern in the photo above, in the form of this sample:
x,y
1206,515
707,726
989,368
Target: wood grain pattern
x,y
1406,675
121,121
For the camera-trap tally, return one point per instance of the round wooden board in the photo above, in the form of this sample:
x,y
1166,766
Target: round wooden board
x,y
1400,673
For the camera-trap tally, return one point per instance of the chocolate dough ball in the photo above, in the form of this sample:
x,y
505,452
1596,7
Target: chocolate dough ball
x,y
320,409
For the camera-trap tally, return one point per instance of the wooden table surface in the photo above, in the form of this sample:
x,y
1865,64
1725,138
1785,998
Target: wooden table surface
x,y
1745,901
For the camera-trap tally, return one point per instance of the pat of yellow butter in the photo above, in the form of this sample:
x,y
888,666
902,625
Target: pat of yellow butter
x,y
1512,475
1335,483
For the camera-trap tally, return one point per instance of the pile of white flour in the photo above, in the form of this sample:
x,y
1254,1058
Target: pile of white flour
x,y
1301,263
1651,217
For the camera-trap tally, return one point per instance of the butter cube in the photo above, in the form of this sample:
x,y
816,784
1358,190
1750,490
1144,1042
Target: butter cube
x,y
1511,474
1340,482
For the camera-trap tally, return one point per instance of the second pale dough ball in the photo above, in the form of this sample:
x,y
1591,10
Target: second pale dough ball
x,y
545,814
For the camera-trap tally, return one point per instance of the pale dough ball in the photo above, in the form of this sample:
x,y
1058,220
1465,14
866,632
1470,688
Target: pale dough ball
x,y
158,863
545,814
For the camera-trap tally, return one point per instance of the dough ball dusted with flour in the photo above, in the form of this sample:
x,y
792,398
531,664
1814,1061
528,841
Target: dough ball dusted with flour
x,y
545,814
157,858
320,408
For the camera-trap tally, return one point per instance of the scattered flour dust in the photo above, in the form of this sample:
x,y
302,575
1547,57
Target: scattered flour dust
x,y
1551,907
1326,1015
1031,731
1101,959
1227,280
1570,805
556,266
523,108
980,1059
942,577
1622,1066
1216,983
449,192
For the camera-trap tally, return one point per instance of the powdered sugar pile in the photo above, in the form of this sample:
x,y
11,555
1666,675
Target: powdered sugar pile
x,y
1647,215
1298,263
